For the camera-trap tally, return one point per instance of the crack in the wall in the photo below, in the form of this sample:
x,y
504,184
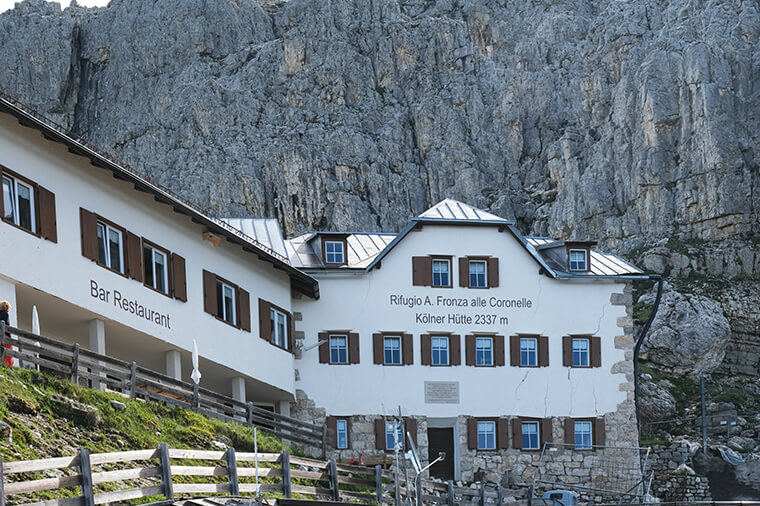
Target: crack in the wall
x,y
521,382
599,322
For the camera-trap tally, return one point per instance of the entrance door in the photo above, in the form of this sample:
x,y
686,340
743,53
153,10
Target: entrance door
x,y
441,440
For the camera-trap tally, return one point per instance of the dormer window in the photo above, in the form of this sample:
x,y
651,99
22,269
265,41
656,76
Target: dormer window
x,y
578,259
334,249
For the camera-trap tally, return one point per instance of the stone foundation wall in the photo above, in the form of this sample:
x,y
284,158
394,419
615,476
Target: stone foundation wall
x,y
682,488
672,481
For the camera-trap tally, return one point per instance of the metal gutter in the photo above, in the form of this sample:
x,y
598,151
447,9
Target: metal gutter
x,y
636,349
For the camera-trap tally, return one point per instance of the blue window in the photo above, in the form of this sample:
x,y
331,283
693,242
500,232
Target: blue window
x,y
486,435
580,352
478,273
578,260
341,427
392,350
528,352
389,434
530,439
441,272
484,351
440,350
583,439
339,349
334,253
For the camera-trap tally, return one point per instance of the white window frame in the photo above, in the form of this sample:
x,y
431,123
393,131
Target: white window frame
x,y
14,197
153,253
387,339
581,352
341,432
528,352
336,253
489,350
571,261
389,426
524,434
586,436
440,261
477,284
279,339
335,338
106,244
486,430
229,318
435,358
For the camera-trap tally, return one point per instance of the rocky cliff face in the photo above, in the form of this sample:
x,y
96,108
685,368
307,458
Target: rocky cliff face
x,y
630,121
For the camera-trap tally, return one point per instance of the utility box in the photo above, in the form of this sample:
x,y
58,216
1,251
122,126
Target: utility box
x,y
560,498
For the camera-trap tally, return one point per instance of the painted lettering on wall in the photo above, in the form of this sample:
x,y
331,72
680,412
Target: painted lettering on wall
x,y
131,306
488,310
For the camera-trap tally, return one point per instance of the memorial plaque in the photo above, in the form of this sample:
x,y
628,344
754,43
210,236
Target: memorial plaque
x,y
441,392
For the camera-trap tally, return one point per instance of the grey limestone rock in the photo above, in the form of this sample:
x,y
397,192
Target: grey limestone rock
x,y
655,402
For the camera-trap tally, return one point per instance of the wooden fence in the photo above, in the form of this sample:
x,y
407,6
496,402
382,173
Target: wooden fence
x,y
437,492
129,378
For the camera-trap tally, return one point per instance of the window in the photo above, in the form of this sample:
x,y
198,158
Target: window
x,y
341,430
279,324
484,351
18,203
577,259
580,352
338,349
225,300
392,350
334,253
478,274
110,247
486,435
583,431
155,266
390,430
530,436
441,273
528,352
439,346
394,432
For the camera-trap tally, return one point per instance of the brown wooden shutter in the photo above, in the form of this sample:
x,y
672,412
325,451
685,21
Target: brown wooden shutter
x,y
498,350
324,349
422,271
493,272
514,351
517,433
377,348
567,351
380,433
502,433
546,430
425,350
543,351
455,349
464,272
595,343
408,357
353,348
332,431
48,226
599,432
410,426
472,434
179,278
134,256
88,223
291,333
469,349
209,293
265,320
569,431
244,309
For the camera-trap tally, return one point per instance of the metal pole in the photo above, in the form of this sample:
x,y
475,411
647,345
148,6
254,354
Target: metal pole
x,y
256,457
396,467
704,416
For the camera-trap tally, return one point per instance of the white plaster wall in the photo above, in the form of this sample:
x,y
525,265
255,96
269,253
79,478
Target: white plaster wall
x,y
361,303
61,270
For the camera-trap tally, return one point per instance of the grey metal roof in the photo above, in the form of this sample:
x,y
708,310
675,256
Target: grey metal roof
x,y
362,250
264,230
602,264
453,210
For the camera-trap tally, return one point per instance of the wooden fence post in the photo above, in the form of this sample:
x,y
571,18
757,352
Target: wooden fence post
x,y
482,500
250,414
285,459
379,483
2,484
133,380
499,495
452,497
332,471
166,470
324,440
232,471
196,396
85,471
75,365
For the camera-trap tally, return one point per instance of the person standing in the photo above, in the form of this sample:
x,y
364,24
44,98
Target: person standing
x,y
5,307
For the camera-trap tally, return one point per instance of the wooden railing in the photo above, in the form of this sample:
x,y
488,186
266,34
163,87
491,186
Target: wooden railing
x,y
438,492
82,364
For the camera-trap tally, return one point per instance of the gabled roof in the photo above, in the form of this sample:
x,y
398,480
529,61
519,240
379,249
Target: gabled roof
x,y
602,264
362,249
299,281
265,231
453,210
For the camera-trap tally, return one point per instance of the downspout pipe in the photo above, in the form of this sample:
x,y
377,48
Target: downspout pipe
x,y
639,341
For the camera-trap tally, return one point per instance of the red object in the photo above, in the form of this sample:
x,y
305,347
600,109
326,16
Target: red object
x,y
8,360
